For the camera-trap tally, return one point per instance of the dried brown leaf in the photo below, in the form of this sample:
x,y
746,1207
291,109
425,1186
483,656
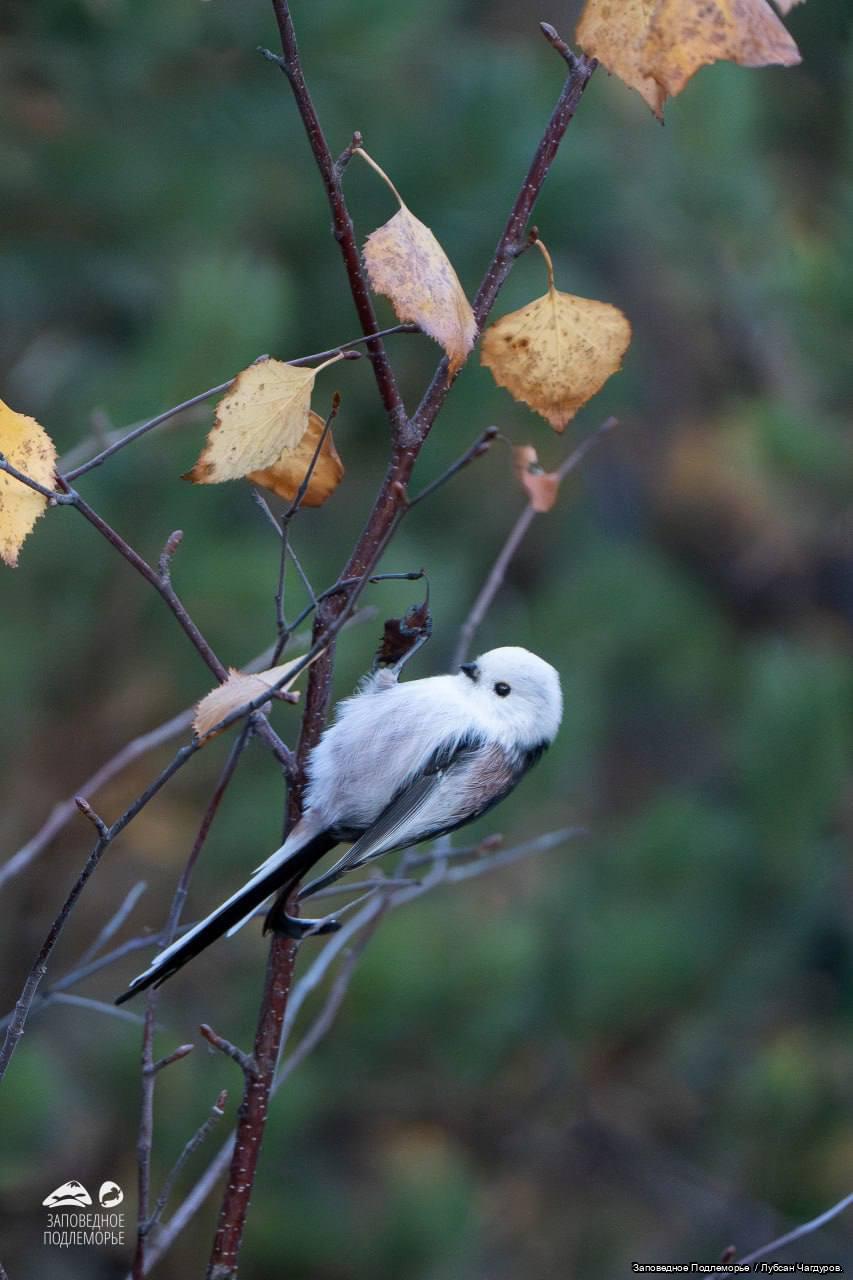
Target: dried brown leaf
x,y
28,447
240,687
541,486
655,46
557,352
263,414
401,635
684,36
406,263
614,31
286,475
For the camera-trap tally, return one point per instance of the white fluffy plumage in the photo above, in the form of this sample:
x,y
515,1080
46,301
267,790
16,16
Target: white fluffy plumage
x,y
404,761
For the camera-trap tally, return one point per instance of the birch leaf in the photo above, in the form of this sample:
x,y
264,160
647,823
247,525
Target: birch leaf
x,y
287,473
406,263
557,352
240,687
541,486
28,447
614,31
264,413
684,36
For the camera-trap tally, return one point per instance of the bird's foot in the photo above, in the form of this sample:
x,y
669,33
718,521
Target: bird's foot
x,y
300,927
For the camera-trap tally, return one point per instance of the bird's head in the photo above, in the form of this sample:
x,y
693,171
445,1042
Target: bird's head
x,y
518,692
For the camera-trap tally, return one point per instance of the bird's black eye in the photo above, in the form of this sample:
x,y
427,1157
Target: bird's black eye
x,y
502,689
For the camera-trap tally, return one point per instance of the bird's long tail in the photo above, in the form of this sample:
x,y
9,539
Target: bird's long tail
x,y
285,866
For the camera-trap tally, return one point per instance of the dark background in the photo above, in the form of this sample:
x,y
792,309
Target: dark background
x,y
638,1046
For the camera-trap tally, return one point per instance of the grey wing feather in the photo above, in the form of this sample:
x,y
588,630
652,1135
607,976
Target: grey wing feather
x,y
455,788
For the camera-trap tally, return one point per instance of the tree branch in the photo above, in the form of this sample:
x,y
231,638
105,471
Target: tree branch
x,y
516,536
390,504
342,224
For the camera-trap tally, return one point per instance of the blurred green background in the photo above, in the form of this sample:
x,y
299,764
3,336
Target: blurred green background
x,y
640,1045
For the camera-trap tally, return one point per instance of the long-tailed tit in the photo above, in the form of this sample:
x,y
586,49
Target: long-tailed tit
x,y
403,762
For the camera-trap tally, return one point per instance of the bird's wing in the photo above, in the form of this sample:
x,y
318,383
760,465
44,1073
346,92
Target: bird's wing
x,y
456,786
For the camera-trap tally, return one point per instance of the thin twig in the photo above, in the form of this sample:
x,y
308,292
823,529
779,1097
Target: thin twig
x,y
114,923
480,447
217,1111
228,771
494,580
790,1237
16,1027
63,812
96,1006
244,1060
145,1136
175,1056
342,224
122,439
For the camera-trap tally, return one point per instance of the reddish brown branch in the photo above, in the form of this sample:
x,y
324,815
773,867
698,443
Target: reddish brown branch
x,y
342,224
408,437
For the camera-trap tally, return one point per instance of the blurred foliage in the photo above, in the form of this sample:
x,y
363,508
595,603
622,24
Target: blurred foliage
x,y
639,1046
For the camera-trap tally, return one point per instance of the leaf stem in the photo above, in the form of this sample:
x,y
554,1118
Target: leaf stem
x,y
360,151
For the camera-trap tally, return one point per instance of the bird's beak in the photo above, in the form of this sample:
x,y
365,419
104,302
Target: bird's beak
x,y
472,671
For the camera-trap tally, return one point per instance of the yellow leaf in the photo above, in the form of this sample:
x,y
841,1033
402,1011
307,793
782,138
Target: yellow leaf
x,y
541,486
286,475
406,263
264,413
240,687
557,352
684,36
614,31
29,448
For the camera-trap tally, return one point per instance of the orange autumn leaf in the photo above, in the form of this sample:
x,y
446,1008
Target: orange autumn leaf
x,y
263,413
240,687
655,46
286,475
614,31
28,447
406,263
541,486
557,352
684,36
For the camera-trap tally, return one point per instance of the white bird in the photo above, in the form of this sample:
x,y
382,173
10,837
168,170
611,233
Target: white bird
x,y
403,762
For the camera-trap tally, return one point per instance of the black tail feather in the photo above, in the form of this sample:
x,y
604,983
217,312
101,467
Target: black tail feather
x,y
287,874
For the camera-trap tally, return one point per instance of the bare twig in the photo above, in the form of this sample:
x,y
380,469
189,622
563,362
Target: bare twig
x,y
175,1056
342,223
216,1113
63,812
244,1060
790,1237
516,536
16,1027
120,439
480,447
114,923
96,1006
146,1136
228,771
150,1070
